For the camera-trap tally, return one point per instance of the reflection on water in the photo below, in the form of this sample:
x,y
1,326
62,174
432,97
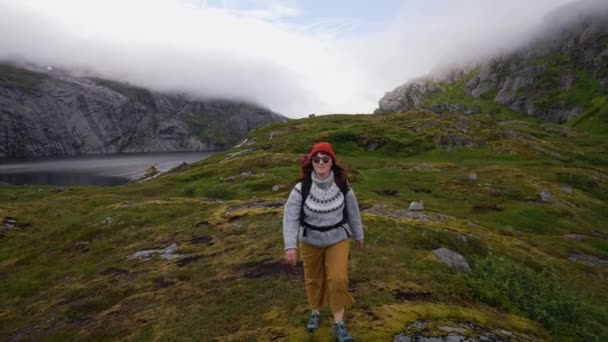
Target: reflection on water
x,y
61,178
102,170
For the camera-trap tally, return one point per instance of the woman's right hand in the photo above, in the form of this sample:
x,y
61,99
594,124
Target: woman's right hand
x,y
291,256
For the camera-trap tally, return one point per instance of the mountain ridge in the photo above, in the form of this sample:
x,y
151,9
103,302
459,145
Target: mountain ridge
x,y
558,77
49,112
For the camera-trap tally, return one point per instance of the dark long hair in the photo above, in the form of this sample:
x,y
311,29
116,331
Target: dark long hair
x,y
340,176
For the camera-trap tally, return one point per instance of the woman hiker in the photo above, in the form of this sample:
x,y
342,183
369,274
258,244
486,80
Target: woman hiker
x,y
323,214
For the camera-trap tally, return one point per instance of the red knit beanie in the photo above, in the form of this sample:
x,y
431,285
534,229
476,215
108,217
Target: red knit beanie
x,y
318,147
323,147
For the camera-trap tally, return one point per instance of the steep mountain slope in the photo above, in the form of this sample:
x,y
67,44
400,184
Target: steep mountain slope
x,y
559,77
44,113
523,202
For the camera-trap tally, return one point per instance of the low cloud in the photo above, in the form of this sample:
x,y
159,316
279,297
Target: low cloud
x,y
256,54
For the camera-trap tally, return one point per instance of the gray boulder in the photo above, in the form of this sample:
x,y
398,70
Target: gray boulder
x,y
452,259
416,206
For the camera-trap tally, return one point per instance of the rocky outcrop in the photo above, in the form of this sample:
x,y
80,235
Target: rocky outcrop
x,y
408,96
440,331
543,79
51,113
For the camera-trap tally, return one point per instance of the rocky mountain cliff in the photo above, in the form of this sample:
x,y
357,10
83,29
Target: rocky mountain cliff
x,y
557,77
49,113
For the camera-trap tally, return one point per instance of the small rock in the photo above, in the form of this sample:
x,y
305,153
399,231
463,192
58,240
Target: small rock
x,y
589,259
238,153
505,332
169,252
151,171
462,237
372,146
246,142
82,246
234,178
181,167
452,259
472,176
143,255
566,190
452,329
382,209
278,187
418,325
546,196
416,206
9,223
426,167
165,253
577,237
272,134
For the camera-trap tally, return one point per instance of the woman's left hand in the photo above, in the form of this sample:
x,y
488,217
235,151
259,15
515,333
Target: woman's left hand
x,y
360,244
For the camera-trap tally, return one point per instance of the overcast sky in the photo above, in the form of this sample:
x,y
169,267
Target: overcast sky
x,y
295,57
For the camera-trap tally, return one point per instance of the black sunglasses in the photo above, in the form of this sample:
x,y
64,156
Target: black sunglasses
x,y
317,159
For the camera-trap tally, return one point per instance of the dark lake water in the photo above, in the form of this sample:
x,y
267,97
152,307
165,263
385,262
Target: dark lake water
x,y
99,170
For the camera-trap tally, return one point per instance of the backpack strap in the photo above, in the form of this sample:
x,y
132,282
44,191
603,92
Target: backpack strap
x,y
342,182
344,186
304,191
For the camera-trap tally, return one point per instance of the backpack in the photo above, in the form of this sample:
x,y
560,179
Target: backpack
x,y
342,183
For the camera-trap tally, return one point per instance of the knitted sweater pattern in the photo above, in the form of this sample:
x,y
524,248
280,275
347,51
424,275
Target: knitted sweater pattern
x,y
323,207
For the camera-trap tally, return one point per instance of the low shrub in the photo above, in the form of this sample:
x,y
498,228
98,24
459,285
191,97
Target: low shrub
x,y
537,295
219,192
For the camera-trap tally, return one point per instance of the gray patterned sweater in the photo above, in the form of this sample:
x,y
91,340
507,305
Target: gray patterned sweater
x,y
323,207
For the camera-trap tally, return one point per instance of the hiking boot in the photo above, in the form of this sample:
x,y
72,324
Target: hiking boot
x,y
341,333
313,322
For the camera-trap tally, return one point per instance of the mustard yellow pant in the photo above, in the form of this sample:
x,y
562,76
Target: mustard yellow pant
x,y
326,275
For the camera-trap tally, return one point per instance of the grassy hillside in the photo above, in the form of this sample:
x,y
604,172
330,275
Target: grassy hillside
x,y
66,273
545,87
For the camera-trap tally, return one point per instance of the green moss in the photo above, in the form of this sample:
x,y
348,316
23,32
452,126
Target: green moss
x,y
595,119
19,78
584,183
70,261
